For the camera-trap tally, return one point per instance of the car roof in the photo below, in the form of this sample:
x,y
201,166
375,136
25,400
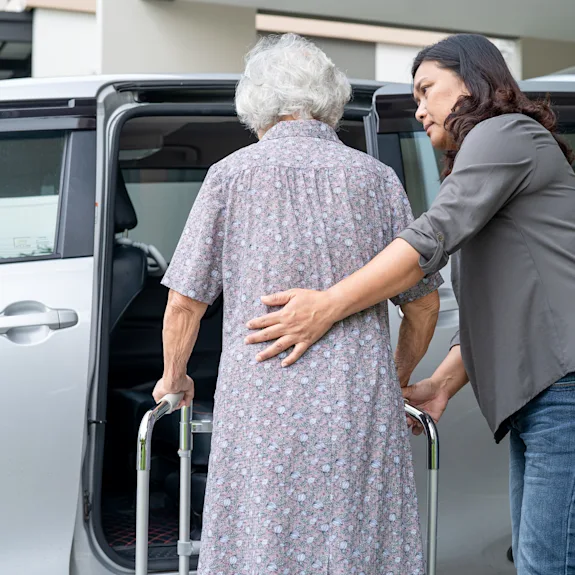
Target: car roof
x,y
89,86
559,82
558,77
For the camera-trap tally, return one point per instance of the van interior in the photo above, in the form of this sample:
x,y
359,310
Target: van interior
x,y
162,163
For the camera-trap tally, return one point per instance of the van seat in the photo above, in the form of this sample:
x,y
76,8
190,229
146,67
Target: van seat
x,y
129,264
130,406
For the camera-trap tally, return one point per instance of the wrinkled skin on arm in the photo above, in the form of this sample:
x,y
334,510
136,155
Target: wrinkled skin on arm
x,y
181,326
415,333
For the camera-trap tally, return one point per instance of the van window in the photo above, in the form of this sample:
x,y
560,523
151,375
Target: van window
x,y
30,180
418,166
164,162
567,132
162,199
421,168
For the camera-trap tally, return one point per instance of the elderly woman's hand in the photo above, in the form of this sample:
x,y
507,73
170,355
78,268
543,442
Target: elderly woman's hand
x,y
306,317
184,384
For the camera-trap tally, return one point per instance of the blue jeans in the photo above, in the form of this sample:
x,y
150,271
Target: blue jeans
x,y
542,482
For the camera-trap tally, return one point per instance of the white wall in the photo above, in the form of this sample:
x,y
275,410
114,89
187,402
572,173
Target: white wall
x,y
64,43
393,62
513,55
140,36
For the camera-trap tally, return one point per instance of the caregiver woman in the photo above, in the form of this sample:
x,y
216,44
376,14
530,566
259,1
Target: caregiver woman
x,y
507,206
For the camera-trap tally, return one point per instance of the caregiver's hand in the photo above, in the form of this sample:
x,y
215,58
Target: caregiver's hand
x,y
306,317
428,395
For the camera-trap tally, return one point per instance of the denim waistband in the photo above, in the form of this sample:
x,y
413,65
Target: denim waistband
x,y
569,378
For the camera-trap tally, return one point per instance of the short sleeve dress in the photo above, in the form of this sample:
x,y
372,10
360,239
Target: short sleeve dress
x,y
310,470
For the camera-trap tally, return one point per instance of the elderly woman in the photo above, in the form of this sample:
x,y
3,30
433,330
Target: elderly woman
x,y
506,211
310,469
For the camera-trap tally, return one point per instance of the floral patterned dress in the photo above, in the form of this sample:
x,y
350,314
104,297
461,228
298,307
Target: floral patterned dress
x,y
310,470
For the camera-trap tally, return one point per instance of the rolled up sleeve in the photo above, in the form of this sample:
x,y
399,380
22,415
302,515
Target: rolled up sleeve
x,y
455,340
495,162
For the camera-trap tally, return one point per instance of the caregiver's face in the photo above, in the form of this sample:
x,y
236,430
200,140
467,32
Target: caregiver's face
x,y
436,91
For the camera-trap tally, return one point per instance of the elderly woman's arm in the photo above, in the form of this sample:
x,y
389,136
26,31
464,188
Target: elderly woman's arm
x,y
415,333
181,326
194,279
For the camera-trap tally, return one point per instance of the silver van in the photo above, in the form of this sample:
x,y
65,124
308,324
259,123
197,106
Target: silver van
x,y
97,177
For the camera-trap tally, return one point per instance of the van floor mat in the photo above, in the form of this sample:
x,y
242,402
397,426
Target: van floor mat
x,y
119,525
159,554
160,558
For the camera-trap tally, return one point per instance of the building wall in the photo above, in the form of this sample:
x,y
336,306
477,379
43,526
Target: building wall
x,y
145,36
64,43
394,62
513,55
356,59
541,57
372,51
173,37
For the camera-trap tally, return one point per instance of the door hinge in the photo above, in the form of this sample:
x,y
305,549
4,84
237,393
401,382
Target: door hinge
x,y
87,505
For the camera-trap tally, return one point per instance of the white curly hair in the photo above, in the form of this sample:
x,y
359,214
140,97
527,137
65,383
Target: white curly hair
x,y
290,76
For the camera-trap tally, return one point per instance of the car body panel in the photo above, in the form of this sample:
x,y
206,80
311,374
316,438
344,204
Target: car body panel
x,y
46,427
41,430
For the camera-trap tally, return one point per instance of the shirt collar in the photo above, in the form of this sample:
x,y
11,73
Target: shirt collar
x,y
301,129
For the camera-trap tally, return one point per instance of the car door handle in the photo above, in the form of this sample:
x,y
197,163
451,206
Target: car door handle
x,y
27,315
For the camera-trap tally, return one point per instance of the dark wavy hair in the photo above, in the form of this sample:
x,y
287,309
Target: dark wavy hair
x,y
493,90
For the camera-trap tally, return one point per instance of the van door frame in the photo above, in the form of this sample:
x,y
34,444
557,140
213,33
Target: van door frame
x,y
120,107
117,104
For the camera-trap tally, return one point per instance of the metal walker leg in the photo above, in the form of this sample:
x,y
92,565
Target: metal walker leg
x,y
430,430
185,548
188,427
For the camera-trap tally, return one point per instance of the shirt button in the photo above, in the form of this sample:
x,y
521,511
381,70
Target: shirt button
x,y
440,237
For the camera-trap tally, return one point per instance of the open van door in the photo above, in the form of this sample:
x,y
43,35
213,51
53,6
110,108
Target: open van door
x,y
47,175
474,525
173,126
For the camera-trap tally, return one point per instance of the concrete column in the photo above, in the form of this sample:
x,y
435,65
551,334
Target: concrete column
x,y
64,43
542,57
150,36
